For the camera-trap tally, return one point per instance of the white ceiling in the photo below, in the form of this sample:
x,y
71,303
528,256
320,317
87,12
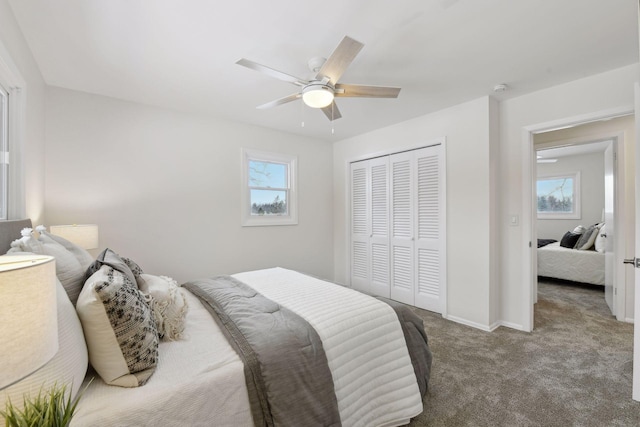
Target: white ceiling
x,y
182,54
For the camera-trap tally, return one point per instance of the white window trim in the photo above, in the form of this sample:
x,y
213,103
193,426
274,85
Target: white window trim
x,y
576,214
16,86
249,220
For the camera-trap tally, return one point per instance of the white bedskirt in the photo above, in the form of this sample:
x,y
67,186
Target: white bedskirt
x,y
571,264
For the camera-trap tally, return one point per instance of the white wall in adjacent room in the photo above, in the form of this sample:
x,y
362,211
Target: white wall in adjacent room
x,y
591,168
164,188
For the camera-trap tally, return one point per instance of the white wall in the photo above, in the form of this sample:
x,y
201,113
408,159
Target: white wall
x,y
610,90
164,188
468,144
591,168
29,158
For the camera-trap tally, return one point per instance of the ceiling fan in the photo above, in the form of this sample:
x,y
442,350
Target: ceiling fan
x,y
319,92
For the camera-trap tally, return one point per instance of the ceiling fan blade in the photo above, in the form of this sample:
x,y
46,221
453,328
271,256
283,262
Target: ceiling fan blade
x,y
280,101
271,72
340,59
332,112
366,91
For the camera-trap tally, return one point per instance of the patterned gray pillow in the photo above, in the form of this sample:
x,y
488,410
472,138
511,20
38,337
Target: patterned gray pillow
x,y
113,260
133,266
119,327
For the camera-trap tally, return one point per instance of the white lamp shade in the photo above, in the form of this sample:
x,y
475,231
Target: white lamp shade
x,y
83,235
317,96
28,317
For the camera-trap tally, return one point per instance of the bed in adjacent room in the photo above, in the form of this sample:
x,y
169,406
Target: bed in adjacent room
x,y
357,360
575,257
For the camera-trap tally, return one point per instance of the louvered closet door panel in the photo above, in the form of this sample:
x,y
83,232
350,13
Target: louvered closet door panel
x,y
379,237
401,224
360,219
428,222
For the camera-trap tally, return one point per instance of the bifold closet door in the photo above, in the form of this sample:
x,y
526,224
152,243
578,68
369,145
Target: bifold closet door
x,y
379,232
370,226
402,188
429,229
360,213
417,228
397,227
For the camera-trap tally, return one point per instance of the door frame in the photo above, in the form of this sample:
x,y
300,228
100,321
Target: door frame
x,y
529,256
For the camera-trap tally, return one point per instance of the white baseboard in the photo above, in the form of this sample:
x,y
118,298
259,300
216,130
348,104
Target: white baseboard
x,y
629,320
511,325
469,323
486,328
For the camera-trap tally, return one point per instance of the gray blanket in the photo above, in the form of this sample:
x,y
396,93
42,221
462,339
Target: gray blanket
x,y
286,370
417,342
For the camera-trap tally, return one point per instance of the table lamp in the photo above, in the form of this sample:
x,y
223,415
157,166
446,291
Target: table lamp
x,y
28,318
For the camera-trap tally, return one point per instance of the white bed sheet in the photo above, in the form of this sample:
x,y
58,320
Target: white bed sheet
x,y
571,264
200,381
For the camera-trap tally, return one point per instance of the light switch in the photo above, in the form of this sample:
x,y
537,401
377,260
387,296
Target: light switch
x,y
513,220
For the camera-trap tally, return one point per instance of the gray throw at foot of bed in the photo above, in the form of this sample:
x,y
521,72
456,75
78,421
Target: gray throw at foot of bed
x,y
289,384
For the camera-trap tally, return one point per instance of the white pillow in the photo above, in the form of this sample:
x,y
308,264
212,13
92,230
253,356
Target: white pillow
x,y
579,230
119,328
69,365
601,240
68,269
84,258
168,304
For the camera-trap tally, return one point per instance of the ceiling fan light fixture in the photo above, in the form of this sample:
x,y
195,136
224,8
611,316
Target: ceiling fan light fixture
x,y
317,95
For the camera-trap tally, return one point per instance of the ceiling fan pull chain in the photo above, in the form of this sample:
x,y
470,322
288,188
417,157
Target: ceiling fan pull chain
x,y
302,113
332,129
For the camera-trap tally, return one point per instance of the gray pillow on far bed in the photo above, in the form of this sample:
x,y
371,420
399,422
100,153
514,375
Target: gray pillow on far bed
x,y
588,237
569,239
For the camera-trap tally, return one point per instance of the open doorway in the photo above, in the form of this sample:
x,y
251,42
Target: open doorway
x,y
619,126
576,201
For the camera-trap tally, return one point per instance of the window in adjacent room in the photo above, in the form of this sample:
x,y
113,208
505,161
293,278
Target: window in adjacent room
x,y
269,190
4,153
559,196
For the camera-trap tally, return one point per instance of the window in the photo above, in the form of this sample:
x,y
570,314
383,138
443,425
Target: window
x,y
559,196
269,191
4,153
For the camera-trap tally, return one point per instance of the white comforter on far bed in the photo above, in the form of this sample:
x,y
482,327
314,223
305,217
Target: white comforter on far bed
x,y
200,381
571,264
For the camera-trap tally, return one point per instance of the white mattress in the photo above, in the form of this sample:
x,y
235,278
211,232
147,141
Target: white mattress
x,y
200,381
571,264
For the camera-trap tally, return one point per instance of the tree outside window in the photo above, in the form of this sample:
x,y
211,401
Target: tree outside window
x,y
269,190
558,196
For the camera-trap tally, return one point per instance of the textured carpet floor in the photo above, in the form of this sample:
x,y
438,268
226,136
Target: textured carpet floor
x,y
574,369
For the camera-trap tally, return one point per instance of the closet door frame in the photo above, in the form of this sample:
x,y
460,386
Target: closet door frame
x,y
397,149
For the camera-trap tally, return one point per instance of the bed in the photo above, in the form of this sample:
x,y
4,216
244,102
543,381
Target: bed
x,y
376,353
583,266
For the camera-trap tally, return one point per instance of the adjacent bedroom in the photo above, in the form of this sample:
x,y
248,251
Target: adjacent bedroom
x,y
583,209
